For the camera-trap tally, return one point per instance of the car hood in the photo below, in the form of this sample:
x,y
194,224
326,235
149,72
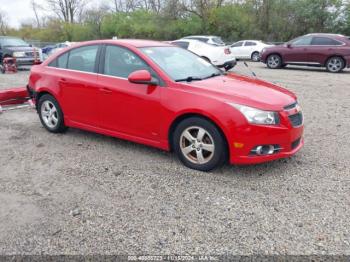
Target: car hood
x,y
245,91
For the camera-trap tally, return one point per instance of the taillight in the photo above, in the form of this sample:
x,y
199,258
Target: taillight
x,y
227,51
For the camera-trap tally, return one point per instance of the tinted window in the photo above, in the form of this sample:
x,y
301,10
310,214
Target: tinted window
x,y
83,58
199,39
237,44
182,44
122,62
305,40
325,41
249,43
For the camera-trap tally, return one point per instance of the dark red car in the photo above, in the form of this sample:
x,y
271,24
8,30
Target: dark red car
x,y
322,50
167,97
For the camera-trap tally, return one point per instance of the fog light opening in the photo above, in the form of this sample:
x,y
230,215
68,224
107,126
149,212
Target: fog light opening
x,y
265,150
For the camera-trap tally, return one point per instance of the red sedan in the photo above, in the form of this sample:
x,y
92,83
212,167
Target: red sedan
x,y
167,97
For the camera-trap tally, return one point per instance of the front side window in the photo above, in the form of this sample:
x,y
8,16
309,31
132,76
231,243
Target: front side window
x,y
325,41
179,64
83,58
302,41
121,62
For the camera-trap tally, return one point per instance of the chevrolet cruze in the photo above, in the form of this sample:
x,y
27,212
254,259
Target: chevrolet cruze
x,y
166,97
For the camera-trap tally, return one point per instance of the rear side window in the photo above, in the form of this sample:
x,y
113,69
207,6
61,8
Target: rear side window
x,y
248,43
121,62
237,44
324,41
83,58
182,44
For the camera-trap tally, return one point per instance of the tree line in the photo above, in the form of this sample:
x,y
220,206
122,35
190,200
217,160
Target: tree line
x,y
268,20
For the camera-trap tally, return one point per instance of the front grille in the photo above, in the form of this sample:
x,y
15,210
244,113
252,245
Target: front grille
x,y
296,143
31,54
296,120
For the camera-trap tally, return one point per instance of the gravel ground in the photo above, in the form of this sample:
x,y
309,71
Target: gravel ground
x,y
83,193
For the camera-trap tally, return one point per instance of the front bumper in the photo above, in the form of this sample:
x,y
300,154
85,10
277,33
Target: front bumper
x,y
288,138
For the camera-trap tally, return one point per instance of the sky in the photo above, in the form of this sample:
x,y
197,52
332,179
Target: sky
x,y
20,10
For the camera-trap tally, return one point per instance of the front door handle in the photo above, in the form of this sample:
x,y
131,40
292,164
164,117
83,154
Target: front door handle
x,y
106,90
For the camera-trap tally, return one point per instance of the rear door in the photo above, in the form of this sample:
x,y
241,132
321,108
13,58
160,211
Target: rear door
x,y
249,48
322,48
77,81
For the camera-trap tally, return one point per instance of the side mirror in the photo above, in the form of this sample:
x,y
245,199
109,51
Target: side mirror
x,y
142,77
289,45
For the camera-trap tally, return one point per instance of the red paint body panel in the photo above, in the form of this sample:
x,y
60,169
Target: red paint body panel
x,y
143,113
16,95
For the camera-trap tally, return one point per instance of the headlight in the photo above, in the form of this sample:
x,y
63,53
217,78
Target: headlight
x,y
256,116
19,54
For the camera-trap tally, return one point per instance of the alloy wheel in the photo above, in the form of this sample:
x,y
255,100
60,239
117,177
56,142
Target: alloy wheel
x,y
335,64
197,145
274,61
49,114
256,57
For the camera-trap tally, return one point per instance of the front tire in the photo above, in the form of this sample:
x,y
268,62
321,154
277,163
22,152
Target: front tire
x,y
50,114
335,64
274,61
199,144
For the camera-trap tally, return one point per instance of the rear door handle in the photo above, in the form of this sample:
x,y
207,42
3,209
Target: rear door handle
x,y
106,90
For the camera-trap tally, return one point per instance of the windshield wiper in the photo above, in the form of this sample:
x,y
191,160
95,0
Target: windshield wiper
x,y
189,79
213,75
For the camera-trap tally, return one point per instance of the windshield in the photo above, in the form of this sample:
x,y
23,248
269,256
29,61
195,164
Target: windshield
x,y
180,64
13,42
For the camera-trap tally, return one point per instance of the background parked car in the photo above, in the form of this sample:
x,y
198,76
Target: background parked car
x,y
217,55
24,53
248,49
209,39
49,50
322,50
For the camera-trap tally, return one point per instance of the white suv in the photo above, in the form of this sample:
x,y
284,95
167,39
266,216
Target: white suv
x,y
217,55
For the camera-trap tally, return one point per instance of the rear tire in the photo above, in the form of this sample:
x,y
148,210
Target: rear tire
x,y
255,57
199,144
50,114
274,61
335,64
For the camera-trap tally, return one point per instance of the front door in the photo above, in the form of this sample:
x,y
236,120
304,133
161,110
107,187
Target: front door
x,y
128,108
297,51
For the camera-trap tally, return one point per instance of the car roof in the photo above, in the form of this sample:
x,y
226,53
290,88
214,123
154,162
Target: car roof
x,y
206,36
